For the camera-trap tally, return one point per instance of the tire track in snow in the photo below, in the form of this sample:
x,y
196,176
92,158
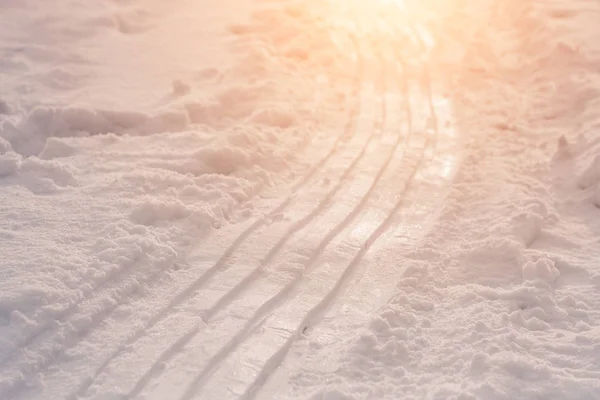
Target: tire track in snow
x,y
231,295
64,331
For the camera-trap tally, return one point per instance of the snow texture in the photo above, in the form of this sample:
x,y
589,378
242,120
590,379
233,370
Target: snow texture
x,y
299,200
500,300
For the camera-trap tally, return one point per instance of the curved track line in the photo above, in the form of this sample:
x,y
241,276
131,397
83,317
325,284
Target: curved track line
x,y
242,285
321,308
220,264
325,303
302,223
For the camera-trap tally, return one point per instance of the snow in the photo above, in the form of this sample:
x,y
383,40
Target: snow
x,y
500,299
299,199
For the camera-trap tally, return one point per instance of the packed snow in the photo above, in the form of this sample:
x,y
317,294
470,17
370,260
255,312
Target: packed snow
x,y
284,199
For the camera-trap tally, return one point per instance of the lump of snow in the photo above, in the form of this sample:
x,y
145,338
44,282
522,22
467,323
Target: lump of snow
x,y
523,368
4,145
532,324
479,363
4,107
153,211
58,173
56,148
366,343
203,111
240,101
29,136
278,116
171,121
379,324
591,175
543,269
528,227
9,163
223,160
562,150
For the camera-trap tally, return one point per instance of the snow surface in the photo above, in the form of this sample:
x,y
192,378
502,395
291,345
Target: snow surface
x,y
287,199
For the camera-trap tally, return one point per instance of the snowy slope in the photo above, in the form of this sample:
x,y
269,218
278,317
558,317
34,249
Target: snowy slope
x,y
299,199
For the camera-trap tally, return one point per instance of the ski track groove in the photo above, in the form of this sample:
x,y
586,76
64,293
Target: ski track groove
x,y
300,224
128,290
264,310
316,313
321,308
246,281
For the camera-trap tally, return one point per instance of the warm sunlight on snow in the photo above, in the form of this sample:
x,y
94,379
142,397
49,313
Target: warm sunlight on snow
x,y
299,199
439,30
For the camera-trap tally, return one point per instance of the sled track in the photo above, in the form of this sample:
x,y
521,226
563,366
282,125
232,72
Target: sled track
x,y
316,312
46,333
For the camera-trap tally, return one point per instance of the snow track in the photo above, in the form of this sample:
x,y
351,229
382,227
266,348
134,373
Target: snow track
x,y
281,293
240,315
215,299
304,300
299,199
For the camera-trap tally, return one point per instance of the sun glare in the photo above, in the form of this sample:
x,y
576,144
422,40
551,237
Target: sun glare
x,y
422,29
418,22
